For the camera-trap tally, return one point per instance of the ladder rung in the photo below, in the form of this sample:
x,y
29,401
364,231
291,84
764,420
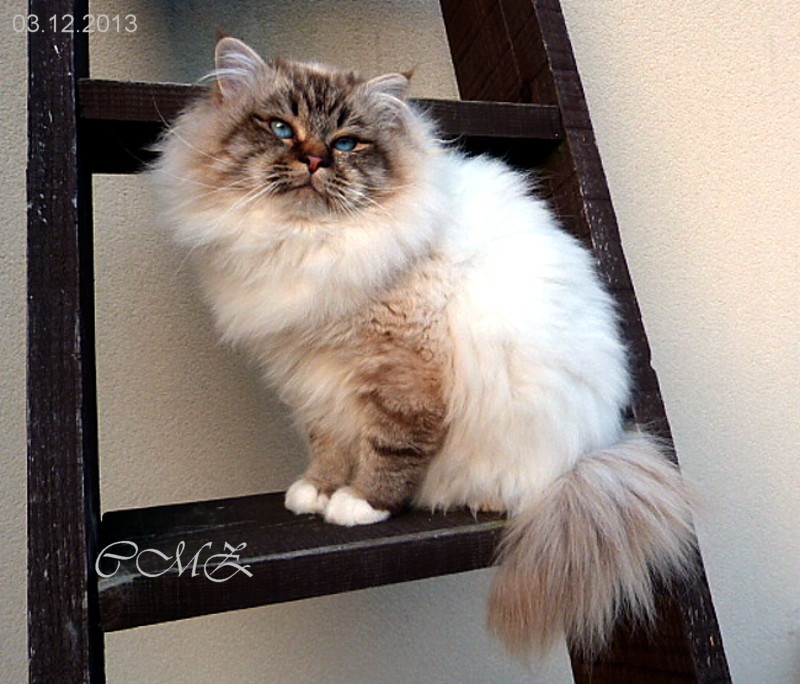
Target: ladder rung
x,y
130,115
290,557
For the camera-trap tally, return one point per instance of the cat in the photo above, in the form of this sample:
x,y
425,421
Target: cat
x,y
440,340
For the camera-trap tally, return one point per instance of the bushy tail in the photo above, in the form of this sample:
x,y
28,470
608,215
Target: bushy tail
x,y
589,549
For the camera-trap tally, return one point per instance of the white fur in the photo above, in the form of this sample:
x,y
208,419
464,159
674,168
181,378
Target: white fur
x,y
539,374
265,271
303,497
536,378
347,508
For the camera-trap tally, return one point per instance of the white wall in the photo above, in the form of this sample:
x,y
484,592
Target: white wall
x,y
13,545
695,111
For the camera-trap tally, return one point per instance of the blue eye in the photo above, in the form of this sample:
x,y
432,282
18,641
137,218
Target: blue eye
x,y
345,144
280,128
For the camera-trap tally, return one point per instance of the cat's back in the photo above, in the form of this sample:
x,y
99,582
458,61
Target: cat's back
x,y
523,286
510,255
495,212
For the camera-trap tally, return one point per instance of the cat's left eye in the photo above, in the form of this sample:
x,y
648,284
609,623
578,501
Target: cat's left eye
x,y
345,144
282,129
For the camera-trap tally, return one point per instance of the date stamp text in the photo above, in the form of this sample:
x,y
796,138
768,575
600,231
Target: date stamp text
x,y
69,23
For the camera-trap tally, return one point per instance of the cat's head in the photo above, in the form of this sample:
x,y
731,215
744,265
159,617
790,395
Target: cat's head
x,y
308,139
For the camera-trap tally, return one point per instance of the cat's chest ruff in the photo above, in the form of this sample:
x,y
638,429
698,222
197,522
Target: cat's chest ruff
x,y
409,315
395,345
275,278
263,292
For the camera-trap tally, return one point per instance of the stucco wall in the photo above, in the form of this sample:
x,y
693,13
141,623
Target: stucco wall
x,y
695,110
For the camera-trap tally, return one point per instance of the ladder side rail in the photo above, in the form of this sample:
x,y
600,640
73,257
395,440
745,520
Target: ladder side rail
x,y
519,51
65,641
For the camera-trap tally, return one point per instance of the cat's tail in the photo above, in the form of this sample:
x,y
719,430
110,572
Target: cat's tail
x,y
589,549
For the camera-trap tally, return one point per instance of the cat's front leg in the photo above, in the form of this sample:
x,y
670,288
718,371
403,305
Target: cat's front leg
x,y
329,470
348,507
384,483
303,496
394,453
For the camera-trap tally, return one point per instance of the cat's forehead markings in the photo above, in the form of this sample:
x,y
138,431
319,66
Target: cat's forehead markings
x,y
301,132
317,85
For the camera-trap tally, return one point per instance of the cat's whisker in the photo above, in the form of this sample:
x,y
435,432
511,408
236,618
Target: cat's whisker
x,y
160,170
195,198
242,202
363,200
172,130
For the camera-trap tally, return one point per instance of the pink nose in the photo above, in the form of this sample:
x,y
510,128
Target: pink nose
x,y
314,162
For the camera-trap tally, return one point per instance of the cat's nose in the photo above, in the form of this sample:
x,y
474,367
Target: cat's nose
x,y
314,162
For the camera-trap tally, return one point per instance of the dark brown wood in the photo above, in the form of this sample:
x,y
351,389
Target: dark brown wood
x,y
134,101
289,557
632,654
162,102
121,120
519,51
65,640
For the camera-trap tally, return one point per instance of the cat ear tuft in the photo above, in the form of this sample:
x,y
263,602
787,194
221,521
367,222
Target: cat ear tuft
x,y
395,85
235,65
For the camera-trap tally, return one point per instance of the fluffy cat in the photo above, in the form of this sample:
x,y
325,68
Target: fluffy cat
x,y
439,339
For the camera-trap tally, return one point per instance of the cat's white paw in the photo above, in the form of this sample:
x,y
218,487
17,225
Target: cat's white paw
x,y
303,497
348,508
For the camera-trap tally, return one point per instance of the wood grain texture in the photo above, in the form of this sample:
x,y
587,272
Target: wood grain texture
x,y
527,42
290,557
65,641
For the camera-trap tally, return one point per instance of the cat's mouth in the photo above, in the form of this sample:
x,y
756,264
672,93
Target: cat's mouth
x,y
306,195
314,194
306,186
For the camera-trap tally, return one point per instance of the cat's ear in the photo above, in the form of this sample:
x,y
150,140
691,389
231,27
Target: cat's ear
x,y
236,64
394,85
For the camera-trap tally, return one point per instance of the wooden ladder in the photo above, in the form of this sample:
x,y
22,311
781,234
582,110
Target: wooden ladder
x,y
523,99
